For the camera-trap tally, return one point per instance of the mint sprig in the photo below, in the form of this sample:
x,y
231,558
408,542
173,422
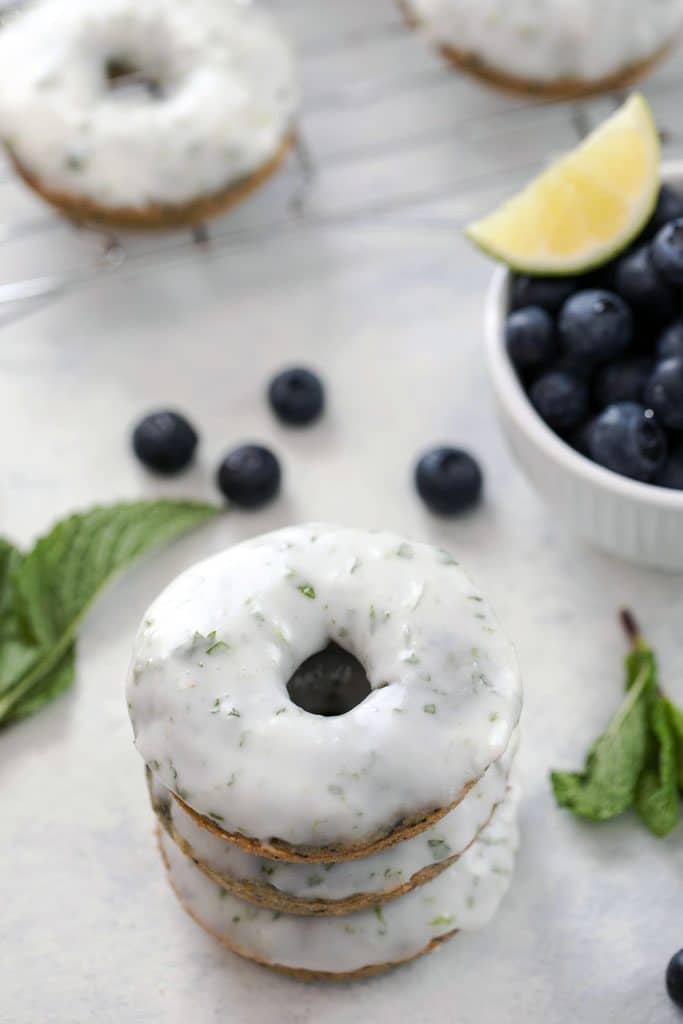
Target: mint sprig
x,y
656,796
676,722
45,594
638,761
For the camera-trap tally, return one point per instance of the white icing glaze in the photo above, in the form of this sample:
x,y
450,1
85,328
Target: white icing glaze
x,y
546,40
213,719
229,94
464,897
379,873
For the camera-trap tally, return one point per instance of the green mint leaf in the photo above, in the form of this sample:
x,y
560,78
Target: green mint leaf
x,y
639,659
439,849
220,645
75,162
18,649
46,688
607,785
656,797
307,590
59,578
10,558
676,721
45,594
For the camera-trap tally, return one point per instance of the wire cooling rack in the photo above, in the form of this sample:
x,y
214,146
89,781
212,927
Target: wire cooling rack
x,y
388,132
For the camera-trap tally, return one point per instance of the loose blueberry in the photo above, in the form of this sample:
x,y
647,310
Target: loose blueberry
x,y
664,392
670,342
547,292
249,476
561,399
671,473
595,326
669,207
627,439
640,283
164,441
674,978
448,480
530,338
296,396
667,251
622,381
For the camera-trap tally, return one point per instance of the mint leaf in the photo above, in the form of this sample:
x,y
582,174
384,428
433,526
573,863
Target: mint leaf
x,y
46,688
639,658
607,785
56,582
639,760
18,649
45,595
656,796
675,716
9,558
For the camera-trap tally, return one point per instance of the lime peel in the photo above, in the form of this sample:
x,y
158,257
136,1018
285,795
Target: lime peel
x,y
586,207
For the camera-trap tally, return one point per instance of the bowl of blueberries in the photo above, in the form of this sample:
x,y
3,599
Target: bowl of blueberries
x,y
588,376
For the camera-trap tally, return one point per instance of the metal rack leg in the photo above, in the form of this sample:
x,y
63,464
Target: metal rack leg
x,y
307,170
201,235
580,121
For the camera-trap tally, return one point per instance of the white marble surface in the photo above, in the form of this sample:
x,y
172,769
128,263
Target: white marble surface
x,y
391,316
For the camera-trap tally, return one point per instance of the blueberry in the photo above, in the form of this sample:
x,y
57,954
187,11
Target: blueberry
x,y
595,326
671,473
622,381
547,292
664,392
670,342
669,207
602,277
296,396
639,282
561,399
578,438
448,480
627,439
249,476
164,441
667,251
530,338
674,978
573,365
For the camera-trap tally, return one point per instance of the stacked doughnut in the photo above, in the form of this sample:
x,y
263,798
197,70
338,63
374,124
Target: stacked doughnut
x,y
558,48
337,839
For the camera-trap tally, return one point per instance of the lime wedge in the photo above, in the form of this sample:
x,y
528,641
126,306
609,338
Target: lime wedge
x,y
586,207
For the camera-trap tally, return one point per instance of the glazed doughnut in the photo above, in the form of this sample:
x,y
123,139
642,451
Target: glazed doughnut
x,y
145,114
214,720
344,886
464,897
554,47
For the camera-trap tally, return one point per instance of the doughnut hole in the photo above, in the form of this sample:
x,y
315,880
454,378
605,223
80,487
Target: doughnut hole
x,y
329,683
122,73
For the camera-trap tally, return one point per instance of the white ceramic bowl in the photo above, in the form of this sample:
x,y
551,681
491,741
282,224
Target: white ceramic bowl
x,y
636,521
